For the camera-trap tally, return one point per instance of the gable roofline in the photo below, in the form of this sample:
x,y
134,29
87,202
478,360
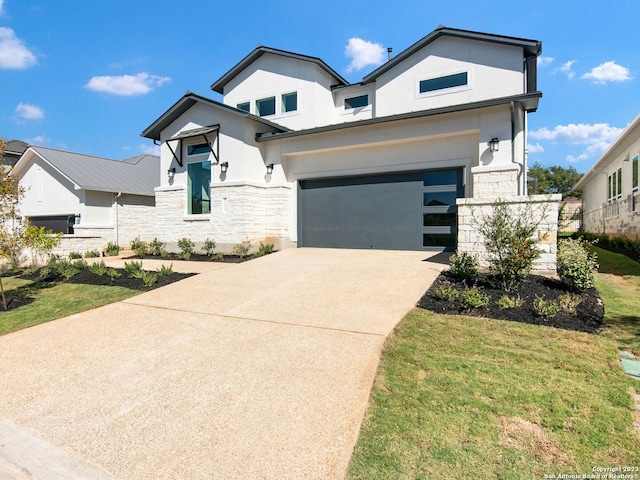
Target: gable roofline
x,y
138,175
187,101
635,124
532,48
218,85
528,100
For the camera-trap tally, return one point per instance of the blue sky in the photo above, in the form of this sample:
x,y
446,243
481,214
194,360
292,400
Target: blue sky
x,y
90,75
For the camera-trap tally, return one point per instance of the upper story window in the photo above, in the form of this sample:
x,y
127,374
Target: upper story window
x,y
356,102
615,184
246,106
266,106
198,149
441,83
289,102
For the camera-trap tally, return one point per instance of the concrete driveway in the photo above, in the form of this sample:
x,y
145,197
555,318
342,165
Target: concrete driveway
x,y
260,370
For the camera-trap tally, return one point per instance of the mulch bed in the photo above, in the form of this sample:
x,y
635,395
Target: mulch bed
x,y
87,277
196,257
588,317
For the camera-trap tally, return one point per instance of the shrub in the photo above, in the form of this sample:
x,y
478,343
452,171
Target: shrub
x,y
576,265
264,249
74,255
148,278
545,308
209,246
241,249
568,302
99,268
186,248
41,241
113,274
165,271
56,267
92,254
156,248
218,257
511,248
79,264
506,302
473,298
138,246
463,266
445,291
133,269
112,249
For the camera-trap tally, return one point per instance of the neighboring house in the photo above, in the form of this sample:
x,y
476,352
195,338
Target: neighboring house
x,y
12,152
91,200
610,196
296,155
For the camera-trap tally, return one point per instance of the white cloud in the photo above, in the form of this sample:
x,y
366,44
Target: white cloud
x,y
29,112
537,148
544,61
567,69
597,137
150,149
39,140
1,7
126,85
13,53
607,72
363,53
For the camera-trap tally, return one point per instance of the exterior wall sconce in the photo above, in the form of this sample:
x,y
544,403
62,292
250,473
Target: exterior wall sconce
x,y
270,169
224,167
494,145
76,217
171,173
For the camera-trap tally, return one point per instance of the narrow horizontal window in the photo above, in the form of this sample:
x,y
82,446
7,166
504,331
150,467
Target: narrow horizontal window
x,y
440,83
244,106
290,102
356,102
198,149
266,106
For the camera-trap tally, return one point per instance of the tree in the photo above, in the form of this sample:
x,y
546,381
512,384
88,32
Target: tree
x,y
555,179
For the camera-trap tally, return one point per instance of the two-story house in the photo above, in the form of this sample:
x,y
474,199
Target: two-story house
x,y
295,154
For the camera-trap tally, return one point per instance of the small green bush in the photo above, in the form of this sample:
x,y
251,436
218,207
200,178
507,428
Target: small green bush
x,y
264,249
241,249
149,278
113,274
156,247
112,249
545,308
463,266
79,264
138,246
92,254
576,265
568,302
473,298
506,302
57,267
209,246
186,248
445,291
165,271
74,255
99,268
218,257
133,269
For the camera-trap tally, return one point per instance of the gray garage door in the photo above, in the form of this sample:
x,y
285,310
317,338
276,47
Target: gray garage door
x,y
405,211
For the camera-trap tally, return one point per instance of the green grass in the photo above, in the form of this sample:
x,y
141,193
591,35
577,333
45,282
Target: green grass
x,y
465,397
55,300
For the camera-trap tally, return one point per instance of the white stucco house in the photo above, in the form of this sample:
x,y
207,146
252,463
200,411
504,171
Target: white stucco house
x,y
610,194
296,155
91,200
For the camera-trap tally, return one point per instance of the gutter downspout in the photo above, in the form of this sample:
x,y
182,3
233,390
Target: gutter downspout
x,y
513,146
115,201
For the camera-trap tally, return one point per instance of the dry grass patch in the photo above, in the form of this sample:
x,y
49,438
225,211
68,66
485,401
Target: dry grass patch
x,y
518,433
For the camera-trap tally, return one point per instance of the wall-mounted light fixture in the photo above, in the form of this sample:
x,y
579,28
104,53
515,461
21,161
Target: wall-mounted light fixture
x,y
224,167
494,144
77,218
270,169
171,173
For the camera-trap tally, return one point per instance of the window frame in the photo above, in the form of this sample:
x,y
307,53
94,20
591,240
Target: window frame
x,y
258,102
189,189
283,105
353,98
241,104
447,89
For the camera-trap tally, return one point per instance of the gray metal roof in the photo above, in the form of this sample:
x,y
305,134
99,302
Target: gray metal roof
x,y
137,175
531,48
189,99
218,85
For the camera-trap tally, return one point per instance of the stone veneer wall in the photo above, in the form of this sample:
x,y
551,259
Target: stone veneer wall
x,y
495,183
472,211
238,212
615,218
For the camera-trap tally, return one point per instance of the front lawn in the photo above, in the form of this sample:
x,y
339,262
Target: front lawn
x,y
466,397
